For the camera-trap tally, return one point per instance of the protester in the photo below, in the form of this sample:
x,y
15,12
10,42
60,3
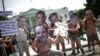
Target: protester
x,y
89,25
41,18
42,43
14,43
73,29
21,38
8,45
53,18
2,47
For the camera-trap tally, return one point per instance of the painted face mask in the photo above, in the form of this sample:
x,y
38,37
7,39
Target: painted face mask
x,y
41,33
73,19
40,18
42,38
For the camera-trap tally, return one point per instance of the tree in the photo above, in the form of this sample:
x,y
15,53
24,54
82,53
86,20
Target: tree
x,y
3,18
94,5
80,13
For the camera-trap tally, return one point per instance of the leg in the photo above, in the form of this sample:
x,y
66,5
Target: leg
x,y
97,39
93,45
77,48
89,42
57,45
68,41
73,47
80,46
77,44
3,51
26,47
63,48
61,39
20,48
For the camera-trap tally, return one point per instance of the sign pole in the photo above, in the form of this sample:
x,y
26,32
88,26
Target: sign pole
x,y
3,5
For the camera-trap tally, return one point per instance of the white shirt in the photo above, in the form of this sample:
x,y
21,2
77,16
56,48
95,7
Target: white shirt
x,y
22,36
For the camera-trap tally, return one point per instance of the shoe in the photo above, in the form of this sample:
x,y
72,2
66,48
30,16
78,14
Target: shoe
x,y
65,54
73,53
82,51
78,51
84,55
94,52
90,50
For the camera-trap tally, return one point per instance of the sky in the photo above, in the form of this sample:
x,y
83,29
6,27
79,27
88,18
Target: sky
x,y
23,5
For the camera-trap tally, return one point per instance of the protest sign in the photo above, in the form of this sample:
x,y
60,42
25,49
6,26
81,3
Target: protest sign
x,y
61,29
8,27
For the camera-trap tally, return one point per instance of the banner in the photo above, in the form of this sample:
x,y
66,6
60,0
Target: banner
x,y
8,27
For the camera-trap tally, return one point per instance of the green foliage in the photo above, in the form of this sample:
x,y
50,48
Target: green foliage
x,y
80,13
84,39
3,18
94,5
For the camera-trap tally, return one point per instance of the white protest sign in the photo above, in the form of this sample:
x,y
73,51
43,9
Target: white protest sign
x,y
61,29
9,27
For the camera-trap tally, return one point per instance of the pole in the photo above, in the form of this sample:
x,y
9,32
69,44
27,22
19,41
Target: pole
x,y
3,5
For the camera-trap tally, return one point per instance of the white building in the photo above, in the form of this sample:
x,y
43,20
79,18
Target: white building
x,y
30,14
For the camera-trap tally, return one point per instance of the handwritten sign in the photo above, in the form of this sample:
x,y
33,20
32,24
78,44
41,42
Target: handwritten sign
x,y
61,29
9,27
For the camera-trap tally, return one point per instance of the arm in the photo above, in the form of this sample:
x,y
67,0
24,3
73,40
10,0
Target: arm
x,y
55,41
9,41
34,46
76,30
97,20
50,29
84,24
1,40
26,31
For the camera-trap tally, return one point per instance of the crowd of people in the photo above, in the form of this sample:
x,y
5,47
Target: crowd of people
x,y
44,35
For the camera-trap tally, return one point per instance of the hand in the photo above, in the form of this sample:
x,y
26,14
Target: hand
x,y
58,35
26,31
1,40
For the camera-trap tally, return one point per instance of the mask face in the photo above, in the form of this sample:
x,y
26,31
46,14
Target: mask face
x,y
22,22
70,13
40,19
73,19
89,14
41,33
54,19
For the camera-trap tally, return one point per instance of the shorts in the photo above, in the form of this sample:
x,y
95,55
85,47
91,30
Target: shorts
x,y
92,37
61,39
74,38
